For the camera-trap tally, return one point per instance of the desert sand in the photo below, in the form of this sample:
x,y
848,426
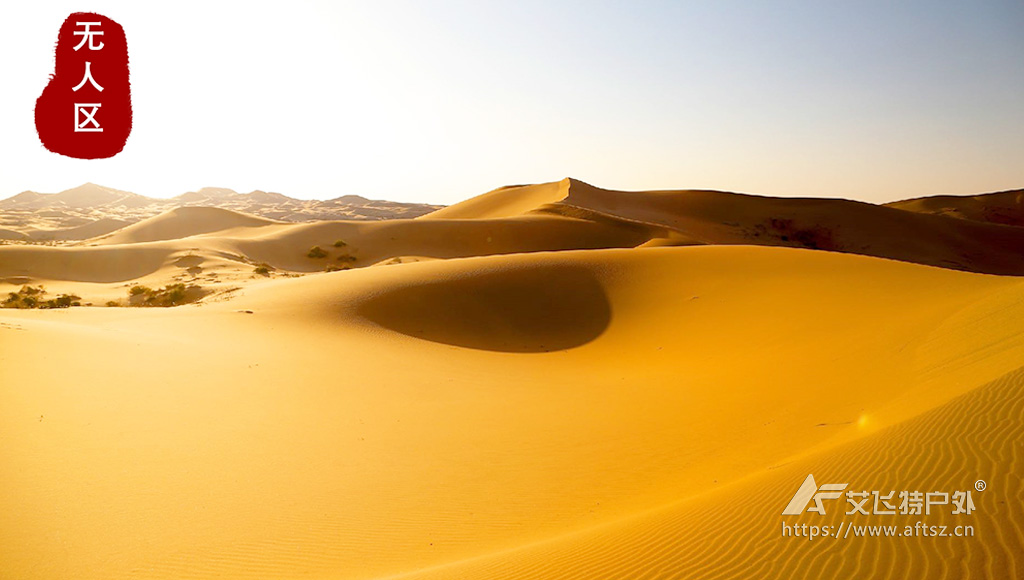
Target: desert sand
x,y
547,381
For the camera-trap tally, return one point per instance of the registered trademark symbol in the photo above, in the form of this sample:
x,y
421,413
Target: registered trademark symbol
x,y
980,485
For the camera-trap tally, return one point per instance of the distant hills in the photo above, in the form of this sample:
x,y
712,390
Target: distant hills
x,y
90,210
1001,207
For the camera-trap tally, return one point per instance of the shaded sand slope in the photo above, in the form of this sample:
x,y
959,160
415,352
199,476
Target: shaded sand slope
x,y
6,234
713,217
82,264
981,243
86,231
83,232
323,436
1004,207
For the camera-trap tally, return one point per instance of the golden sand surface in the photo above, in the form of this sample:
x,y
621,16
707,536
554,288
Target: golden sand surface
x,y
552,381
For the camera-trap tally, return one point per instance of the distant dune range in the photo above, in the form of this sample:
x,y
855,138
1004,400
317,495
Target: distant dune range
x,y
92,210
1004,207
546,381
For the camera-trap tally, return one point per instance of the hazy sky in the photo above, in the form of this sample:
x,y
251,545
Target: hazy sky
x,y
439,101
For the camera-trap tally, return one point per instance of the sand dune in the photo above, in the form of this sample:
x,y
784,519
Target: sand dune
x,y
115,264
505,202
828,224
86,231
184,222
570,215
244,241
371,243
559,216
364,450
556,381
6,234
687,217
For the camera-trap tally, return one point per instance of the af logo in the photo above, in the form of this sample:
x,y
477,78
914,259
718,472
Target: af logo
x,y
808,490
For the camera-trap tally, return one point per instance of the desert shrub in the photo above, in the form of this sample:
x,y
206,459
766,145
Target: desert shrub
x,y
816,237
170,295
340,244
32,297
262,270
316,252
61,301
113,303
174,294
346,258
333,268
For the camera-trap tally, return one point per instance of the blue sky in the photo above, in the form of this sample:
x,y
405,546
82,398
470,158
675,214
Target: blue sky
x,y
438,101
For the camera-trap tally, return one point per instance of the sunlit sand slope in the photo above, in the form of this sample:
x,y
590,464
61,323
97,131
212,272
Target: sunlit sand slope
x,y
506,201
737,531
184,222
607,413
